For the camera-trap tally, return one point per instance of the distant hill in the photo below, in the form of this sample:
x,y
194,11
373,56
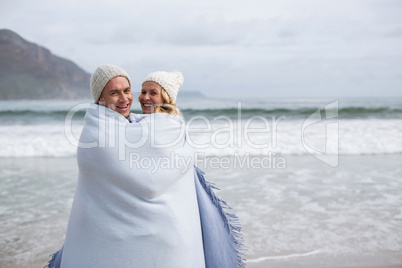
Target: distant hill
x,y
29,71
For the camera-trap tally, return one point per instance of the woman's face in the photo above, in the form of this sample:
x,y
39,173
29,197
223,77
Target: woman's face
x,y
151,95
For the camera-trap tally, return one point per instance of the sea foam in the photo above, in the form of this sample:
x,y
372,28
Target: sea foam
x,y
352,137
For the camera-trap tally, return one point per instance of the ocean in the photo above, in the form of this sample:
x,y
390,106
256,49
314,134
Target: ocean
x,y
315,182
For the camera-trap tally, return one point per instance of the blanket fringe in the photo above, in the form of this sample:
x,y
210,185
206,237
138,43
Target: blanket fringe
x,y
54,262
232,222
50,263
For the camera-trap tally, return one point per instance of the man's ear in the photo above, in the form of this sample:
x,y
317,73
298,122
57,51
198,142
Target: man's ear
x,y
101,101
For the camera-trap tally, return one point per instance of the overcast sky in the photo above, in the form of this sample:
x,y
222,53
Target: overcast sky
x,y
249,48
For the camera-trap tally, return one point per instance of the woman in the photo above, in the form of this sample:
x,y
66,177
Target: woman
x,y
221,232
140,202
159,92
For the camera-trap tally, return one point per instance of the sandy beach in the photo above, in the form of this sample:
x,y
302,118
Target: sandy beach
x,y
38,193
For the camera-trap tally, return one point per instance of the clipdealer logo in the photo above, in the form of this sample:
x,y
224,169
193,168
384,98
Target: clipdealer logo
x,y
329,151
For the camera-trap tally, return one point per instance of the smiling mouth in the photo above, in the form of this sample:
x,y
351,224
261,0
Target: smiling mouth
x,y
122,107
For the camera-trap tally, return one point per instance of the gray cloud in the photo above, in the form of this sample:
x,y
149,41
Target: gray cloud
x,y
315,48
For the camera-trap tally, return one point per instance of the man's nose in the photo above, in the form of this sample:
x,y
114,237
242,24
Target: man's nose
x,y
122,97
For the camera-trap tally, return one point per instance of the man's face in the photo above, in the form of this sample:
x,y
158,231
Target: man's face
x,y
117,95
151,95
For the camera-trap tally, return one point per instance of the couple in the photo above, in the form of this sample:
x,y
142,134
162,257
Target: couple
x,y
129,214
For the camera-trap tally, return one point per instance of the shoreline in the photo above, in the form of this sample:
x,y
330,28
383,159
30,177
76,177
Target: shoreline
x,y
381,266
316,260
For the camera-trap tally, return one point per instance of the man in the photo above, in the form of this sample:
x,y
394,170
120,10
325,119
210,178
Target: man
x,y
111,87
126,214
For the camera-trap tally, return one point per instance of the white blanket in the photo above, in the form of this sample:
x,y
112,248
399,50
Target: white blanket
x,y
135,204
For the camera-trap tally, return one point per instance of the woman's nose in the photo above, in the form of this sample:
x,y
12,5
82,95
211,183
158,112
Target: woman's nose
x,y
146,96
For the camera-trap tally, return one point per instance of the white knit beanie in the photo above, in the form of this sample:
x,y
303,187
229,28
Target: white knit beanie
x,y
102,75
169,81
